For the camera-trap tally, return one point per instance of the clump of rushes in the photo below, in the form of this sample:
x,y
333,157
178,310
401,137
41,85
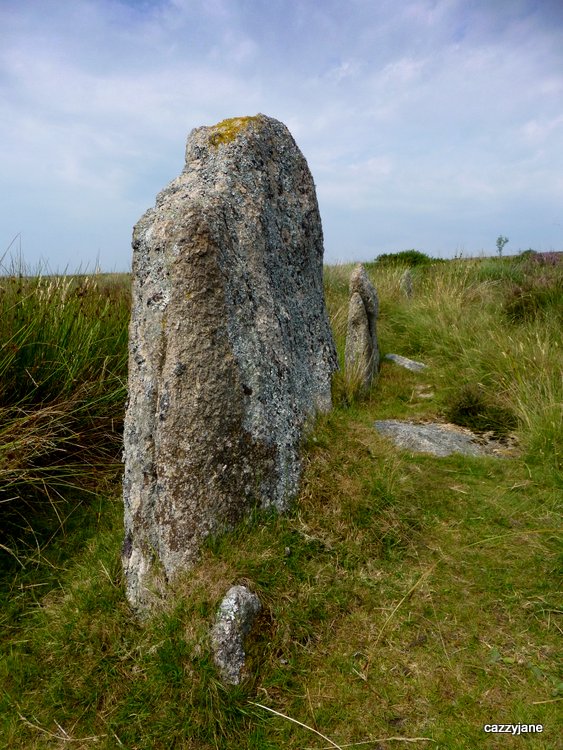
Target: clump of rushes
x,y
63,361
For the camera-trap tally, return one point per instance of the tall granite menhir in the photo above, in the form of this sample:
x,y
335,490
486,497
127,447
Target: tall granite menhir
x,y
230,349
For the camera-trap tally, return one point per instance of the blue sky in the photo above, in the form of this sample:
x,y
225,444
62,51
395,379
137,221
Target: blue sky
x,y
427,124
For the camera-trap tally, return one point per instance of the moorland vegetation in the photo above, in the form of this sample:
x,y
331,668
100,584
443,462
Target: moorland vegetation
x,y
406,598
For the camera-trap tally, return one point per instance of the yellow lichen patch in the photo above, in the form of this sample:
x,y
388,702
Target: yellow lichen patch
x,y
227,130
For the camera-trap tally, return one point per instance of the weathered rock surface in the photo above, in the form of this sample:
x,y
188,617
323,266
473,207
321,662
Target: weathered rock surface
x,y
232,624
362,349
410,364
230,348
439,439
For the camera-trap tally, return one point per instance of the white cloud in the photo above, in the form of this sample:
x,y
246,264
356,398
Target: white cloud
x,y
406,70
405,112
537,130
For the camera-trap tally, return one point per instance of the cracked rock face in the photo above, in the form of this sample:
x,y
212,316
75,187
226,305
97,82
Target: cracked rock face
x,y
232,624
230,350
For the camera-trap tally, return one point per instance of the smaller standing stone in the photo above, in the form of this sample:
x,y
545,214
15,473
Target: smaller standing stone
x,y
406,283
362,350
233,623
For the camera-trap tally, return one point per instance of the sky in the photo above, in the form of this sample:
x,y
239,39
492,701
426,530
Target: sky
x,y
427,124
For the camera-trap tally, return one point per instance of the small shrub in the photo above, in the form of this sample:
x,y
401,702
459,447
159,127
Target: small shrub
x,y
471,406
408,258
526,254
535,260
536,295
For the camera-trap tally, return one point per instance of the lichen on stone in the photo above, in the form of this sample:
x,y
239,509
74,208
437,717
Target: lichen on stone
x,y
227,130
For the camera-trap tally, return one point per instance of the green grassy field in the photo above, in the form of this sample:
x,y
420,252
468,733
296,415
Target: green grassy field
x,y
407,600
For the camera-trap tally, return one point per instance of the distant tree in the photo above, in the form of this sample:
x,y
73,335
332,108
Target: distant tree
x,y
501,242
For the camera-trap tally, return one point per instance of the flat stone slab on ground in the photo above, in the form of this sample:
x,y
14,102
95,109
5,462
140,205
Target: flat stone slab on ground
x,y
439,439
410,364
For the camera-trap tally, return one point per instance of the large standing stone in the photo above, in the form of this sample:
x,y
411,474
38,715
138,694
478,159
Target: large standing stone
x,y
230,348
361,354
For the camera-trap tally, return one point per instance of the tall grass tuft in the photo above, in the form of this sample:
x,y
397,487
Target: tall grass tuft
x,y
63,360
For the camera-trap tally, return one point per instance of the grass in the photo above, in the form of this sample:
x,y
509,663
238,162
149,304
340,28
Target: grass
x,y
404,596
63,366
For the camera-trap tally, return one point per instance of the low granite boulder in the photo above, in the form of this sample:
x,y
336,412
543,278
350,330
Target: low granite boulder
x,y
233,623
